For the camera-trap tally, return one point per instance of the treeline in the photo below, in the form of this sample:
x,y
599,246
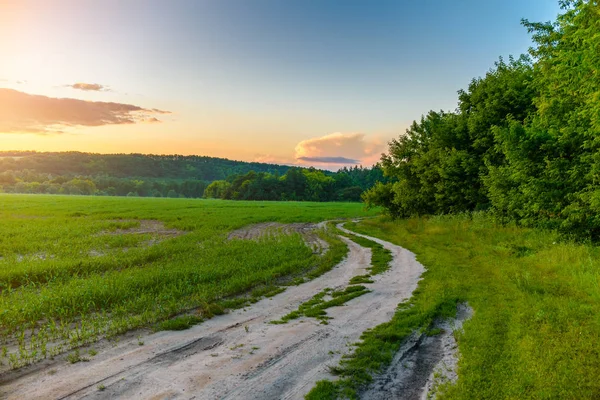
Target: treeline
x,y
131,165
523,143
297,184
42,183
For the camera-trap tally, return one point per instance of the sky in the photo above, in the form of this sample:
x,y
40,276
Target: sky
x,y
324,83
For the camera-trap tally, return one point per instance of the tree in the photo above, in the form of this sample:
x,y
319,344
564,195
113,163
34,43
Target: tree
x,y
438,164
216,190
552,171
295,184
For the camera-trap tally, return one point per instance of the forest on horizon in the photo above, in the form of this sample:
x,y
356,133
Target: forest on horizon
x,y
174,176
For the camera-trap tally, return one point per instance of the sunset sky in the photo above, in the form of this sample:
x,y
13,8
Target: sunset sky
x,y
324,83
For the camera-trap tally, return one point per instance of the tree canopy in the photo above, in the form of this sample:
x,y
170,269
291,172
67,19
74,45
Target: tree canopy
x,y
523,141
177,176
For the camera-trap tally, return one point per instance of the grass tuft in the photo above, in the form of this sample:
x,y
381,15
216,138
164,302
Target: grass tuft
x,y
315,307
178,324
361,279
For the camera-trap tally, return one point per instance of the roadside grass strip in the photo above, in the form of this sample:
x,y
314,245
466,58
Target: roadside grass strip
x,y
315,307
380,256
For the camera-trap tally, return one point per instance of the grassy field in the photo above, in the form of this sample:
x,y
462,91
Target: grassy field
x,y
535,333
74,269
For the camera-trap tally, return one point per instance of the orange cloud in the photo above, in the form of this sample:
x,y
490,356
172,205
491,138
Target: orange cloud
x,y
89,87
26,113
272,159
329,160
340,148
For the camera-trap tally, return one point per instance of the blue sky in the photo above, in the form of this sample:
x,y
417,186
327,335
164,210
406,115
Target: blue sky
x,y
253,79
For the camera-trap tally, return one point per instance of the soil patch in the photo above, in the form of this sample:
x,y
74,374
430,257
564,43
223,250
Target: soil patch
x,y
270,229
422,364
155,228
147,227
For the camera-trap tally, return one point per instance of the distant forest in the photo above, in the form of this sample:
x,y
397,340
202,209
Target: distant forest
x,y
524,142
177,176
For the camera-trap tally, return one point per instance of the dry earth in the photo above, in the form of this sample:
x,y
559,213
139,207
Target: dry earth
x,y
147,226
239,355
156,229
306,230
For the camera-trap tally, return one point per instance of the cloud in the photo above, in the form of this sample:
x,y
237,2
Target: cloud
x,y
273,159
19,82
329,160
340,148
93,87
26,113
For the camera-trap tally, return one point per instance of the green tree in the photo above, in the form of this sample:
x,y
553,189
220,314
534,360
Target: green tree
x,y
551,175
216,190
438,164
295,184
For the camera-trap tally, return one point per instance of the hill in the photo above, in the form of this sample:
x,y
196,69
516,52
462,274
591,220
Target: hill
x,y
150,175
132,165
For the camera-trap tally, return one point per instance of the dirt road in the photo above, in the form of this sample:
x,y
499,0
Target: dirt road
x,y
234,356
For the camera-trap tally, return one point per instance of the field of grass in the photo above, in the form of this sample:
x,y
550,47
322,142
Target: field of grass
x,y
74,269
535,333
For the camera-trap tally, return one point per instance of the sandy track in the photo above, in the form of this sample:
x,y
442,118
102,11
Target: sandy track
x,y
234,356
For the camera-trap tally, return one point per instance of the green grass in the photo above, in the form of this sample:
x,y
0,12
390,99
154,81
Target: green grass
x,y
361,279
380,257
316,306
178,323
64,281
535,333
